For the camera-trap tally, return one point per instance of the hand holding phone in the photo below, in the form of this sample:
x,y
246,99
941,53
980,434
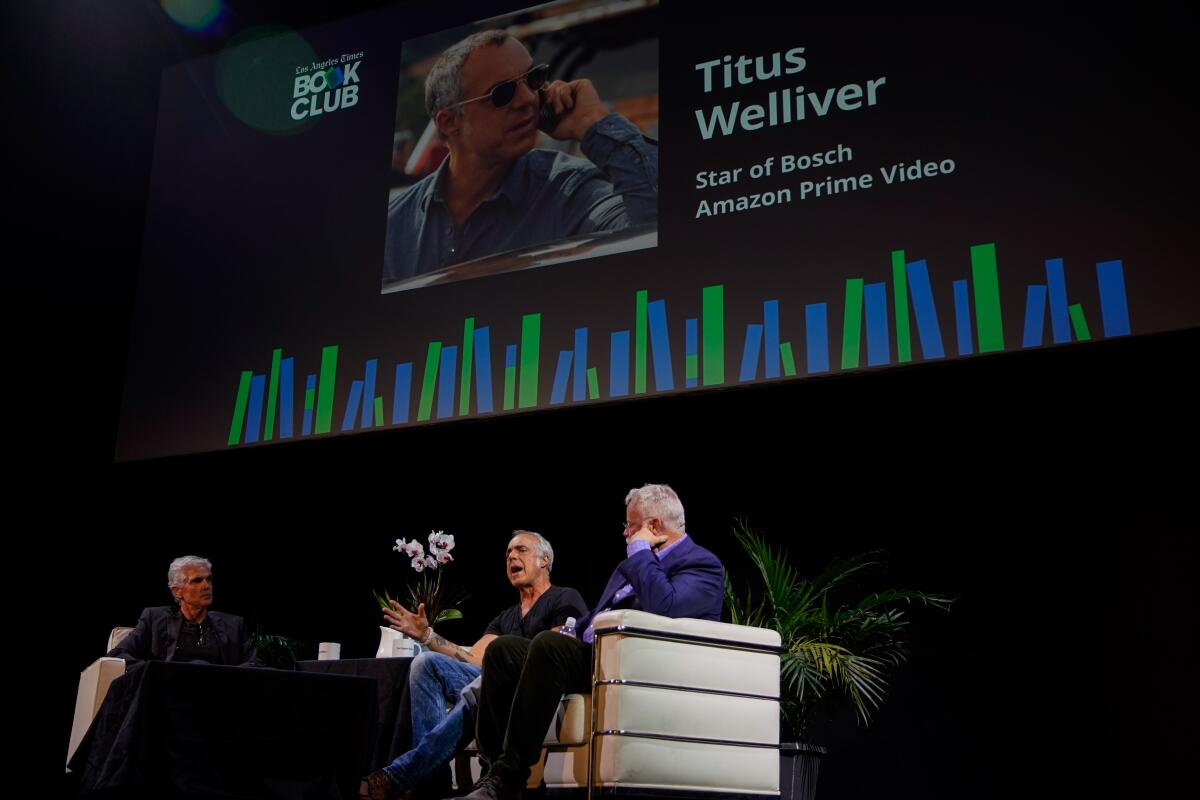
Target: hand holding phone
x,y
548,119
569,108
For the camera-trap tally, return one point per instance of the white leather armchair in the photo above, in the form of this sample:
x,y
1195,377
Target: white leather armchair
x,y
93,686
680,707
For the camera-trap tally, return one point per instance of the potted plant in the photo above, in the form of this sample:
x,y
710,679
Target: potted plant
x,y
428,594
830,648
278,652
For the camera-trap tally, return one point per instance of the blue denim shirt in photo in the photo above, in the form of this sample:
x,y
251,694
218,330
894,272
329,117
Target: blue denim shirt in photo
x,y
547,196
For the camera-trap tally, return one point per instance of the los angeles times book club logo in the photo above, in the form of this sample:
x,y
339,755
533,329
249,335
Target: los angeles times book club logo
x,y
325,87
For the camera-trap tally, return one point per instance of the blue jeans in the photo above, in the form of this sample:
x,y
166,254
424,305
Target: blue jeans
x,y
434,681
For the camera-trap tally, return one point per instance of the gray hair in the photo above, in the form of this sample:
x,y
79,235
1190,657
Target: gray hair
x,y
542,546
175,576
658,500
443,84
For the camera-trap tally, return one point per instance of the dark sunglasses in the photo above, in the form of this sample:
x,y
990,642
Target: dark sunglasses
x,y
503,93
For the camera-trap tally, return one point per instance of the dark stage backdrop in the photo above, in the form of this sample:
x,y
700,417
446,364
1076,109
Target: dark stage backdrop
x,y
839,190
1051,490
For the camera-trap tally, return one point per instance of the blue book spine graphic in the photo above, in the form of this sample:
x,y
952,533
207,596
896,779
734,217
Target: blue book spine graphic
x,y
1114,308
310,387
579,379
691,334
400,402
879,349
558,393
771,338
446,379
368,396
254,410
962,318
660,347
750,350
348,418
816,328
618,375
286,373
1056,283
928,330
1035,316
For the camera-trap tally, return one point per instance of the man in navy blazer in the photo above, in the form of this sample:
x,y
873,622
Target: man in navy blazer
x,y
188,631
665,572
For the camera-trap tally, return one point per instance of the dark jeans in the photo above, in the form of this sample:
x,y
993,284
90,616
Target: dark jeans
x,y
523,682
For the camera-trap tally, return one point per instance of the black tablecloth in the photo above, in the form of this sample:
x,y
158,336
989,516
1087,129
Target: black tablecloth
x,y
198,730
393,731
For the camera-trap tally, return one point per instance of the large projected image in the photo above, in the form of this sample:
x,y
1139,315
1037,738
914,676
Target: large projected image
x,y
854,193
516,144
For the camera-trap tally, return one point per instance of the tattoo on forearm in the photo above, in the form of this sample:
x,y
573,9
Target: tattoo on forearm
x,y
458,652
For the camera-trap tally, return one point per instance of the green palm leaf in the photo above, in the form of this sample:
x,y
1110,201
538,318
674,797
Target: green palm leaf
x,y
831,648
894,595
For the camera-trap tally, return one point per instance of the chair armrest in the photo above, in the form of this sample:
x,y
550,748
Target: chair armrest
x,y
701,630
93,687
116,637
635,647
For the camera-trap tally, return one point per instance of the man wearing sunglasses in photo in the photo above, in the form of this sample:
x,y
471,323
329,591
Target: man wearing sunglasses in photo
x,y
495,192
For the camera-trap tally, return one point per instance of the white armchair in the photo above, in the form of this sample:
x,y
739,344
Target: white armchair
x,y
93,686
678,706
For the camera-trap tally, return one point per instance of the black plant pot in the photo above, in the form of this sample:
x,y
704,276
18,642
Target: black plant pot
x,y
799,764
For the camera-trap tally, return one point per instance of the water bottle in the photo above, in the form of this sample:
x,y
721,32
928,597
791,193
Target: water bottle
x,y
568,628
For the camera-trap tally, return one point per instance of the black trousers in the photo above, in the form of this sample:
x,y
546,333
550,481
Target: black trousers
x,y
523,682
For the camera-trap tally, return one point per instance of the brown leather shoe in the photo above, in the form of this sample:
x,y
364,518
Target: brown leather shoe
x,y
381,787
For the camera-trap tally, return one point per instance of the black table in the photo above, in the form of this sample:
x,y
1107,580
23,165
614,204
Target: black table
x,y
393,729
197,730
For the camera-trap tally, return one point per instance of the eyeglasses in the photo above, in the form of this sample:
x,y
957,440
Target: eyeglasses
x,y
503,93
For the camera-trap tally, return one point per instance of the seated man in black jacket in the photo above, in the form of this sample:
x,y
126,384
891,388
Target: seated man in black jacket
x,y
188,631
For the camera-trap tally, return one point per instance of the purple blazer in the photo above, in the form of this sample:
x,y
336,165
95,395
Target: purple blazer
x,y
691,583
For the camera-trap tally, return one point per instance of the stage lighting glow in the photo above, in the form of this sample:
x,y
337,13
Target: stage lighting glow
x,y
195,15
255,74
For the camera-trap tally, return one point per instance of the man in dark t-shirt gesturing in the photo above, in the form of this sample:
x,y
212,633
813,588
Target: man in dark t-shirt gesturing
x,y
437,677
